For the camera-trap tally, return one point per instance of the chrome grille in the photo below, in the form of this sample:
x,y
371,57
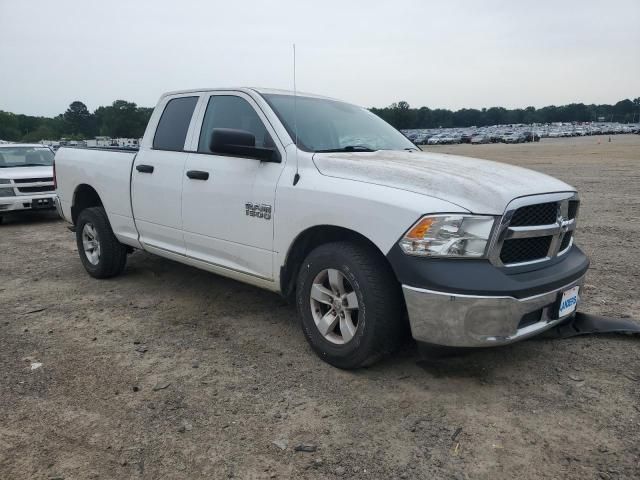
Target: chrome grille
x,y
27,186
539,214
517,250
566,241
33,180
535,229
37,189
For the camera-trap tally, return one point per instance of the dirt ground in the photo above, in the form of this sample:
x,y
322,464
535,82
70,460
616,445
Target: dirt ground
x,y
171,372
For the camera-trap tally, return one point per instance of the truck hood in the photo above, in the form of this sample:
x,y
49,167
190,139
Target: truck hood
x,y
26,172
480,186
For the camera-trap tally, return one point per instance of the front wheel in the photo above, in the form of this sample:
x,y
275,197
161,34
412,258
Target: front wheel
x,y
350,304
101,253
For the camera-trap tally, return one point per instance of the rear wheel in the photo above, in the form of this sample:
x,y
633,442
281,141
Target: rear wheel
x,y
350,304
101,253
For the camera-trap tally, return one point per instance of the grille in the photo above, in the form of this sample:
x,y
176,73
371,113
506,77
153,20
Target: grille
x,y
46,188
33,180
538,214
517,250
536,232
566,240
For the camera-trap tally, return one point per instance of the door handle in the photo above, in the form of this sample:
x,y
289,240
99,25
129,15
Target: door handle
x,y
198,175
144,168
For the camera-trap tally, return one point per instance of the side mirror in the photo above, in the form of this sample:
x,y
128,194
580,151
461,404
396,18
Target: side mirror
x,y
229,141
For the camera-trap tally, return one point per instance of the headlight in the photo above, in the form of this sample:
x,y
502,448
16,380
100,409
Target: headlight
x,y
449,236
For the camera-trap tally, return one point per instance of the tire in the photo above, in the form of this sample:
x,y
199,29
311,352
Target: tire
x,y
370,285
93,228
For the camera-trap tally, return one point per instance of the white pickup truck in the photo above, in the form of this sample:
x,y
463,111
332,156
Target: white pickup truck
x,y
325,203
26,178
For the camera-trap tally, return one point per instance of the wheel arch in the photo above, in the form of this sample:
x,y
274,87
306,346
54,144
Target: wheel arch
x,y
311,238
84,196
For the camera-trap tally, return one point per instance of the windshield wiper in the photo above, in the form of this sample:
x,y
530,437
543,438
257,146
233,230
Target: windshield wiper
x,y
348,148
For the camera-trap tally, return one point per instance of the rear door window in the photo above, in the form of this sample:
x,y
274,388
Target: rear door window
x,y
171,132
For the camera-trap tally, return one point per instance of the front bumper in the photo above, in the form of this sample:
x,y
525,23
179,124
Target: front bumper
x,y
26,202
458,320
473,303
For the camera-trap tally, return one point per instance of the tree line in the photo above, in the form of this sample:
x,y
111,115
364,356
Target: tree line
x,y
126,119
120,119
402,116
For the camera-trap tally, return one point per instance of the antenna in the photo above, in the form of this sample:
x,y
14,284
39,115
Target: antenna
x,y
296,177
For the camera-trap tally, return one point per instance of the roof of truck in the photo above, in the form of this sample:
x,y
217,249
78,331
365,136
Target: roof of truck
x,y
262,91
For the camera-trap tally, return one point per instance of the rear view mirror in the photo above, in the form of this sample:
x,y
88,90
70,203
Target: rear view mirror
x,y
229,141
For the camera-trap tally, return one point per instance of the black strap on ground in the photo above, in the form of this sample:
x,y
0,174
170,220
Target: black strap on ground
x,y
588,324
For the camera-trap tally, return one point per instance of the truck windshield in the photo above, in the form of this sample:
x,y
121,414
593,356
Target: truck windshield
x,y
328,125
25,157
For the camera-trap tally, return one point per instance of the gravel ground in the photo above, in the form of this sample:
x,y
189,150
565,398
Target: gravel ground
x,y
171,372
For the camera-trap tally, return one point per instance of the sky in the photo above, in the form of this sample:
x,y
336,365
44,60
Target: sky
x,y
440,54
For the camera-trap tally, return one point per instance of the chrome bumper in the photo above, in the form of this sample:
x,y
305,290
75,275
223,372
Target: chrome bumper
x,y
441,318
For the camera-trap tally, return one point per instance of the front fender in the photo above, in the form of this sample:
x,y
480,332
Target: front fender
x,y
381,214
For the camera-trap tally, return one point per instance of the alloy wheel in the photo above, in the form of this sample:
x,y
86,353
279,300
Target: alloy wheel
x,y
91,243
334,306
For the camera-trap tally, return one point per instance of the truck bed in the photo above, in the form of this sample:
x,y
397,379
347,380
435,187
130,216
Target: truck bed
x,y
76,167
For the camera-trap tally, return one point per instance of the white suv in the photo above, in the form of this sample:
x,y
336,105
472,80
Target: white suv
x,y
26,178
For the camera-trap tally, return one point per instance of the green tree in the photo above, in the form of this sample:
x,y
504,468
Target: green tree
x,y
122,119
78,120
41,133
9,129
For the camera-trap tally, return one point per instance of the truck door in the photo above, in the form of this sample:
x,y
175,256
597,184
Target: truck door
x,y
228,201
156,179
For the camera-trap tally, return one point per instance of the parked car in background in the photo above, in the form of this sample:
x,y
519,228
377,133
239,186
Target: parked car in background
x,y
26,178
495,137
516,133
435,140
513,137
529,136
420,139
480,138
411,136
466,137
